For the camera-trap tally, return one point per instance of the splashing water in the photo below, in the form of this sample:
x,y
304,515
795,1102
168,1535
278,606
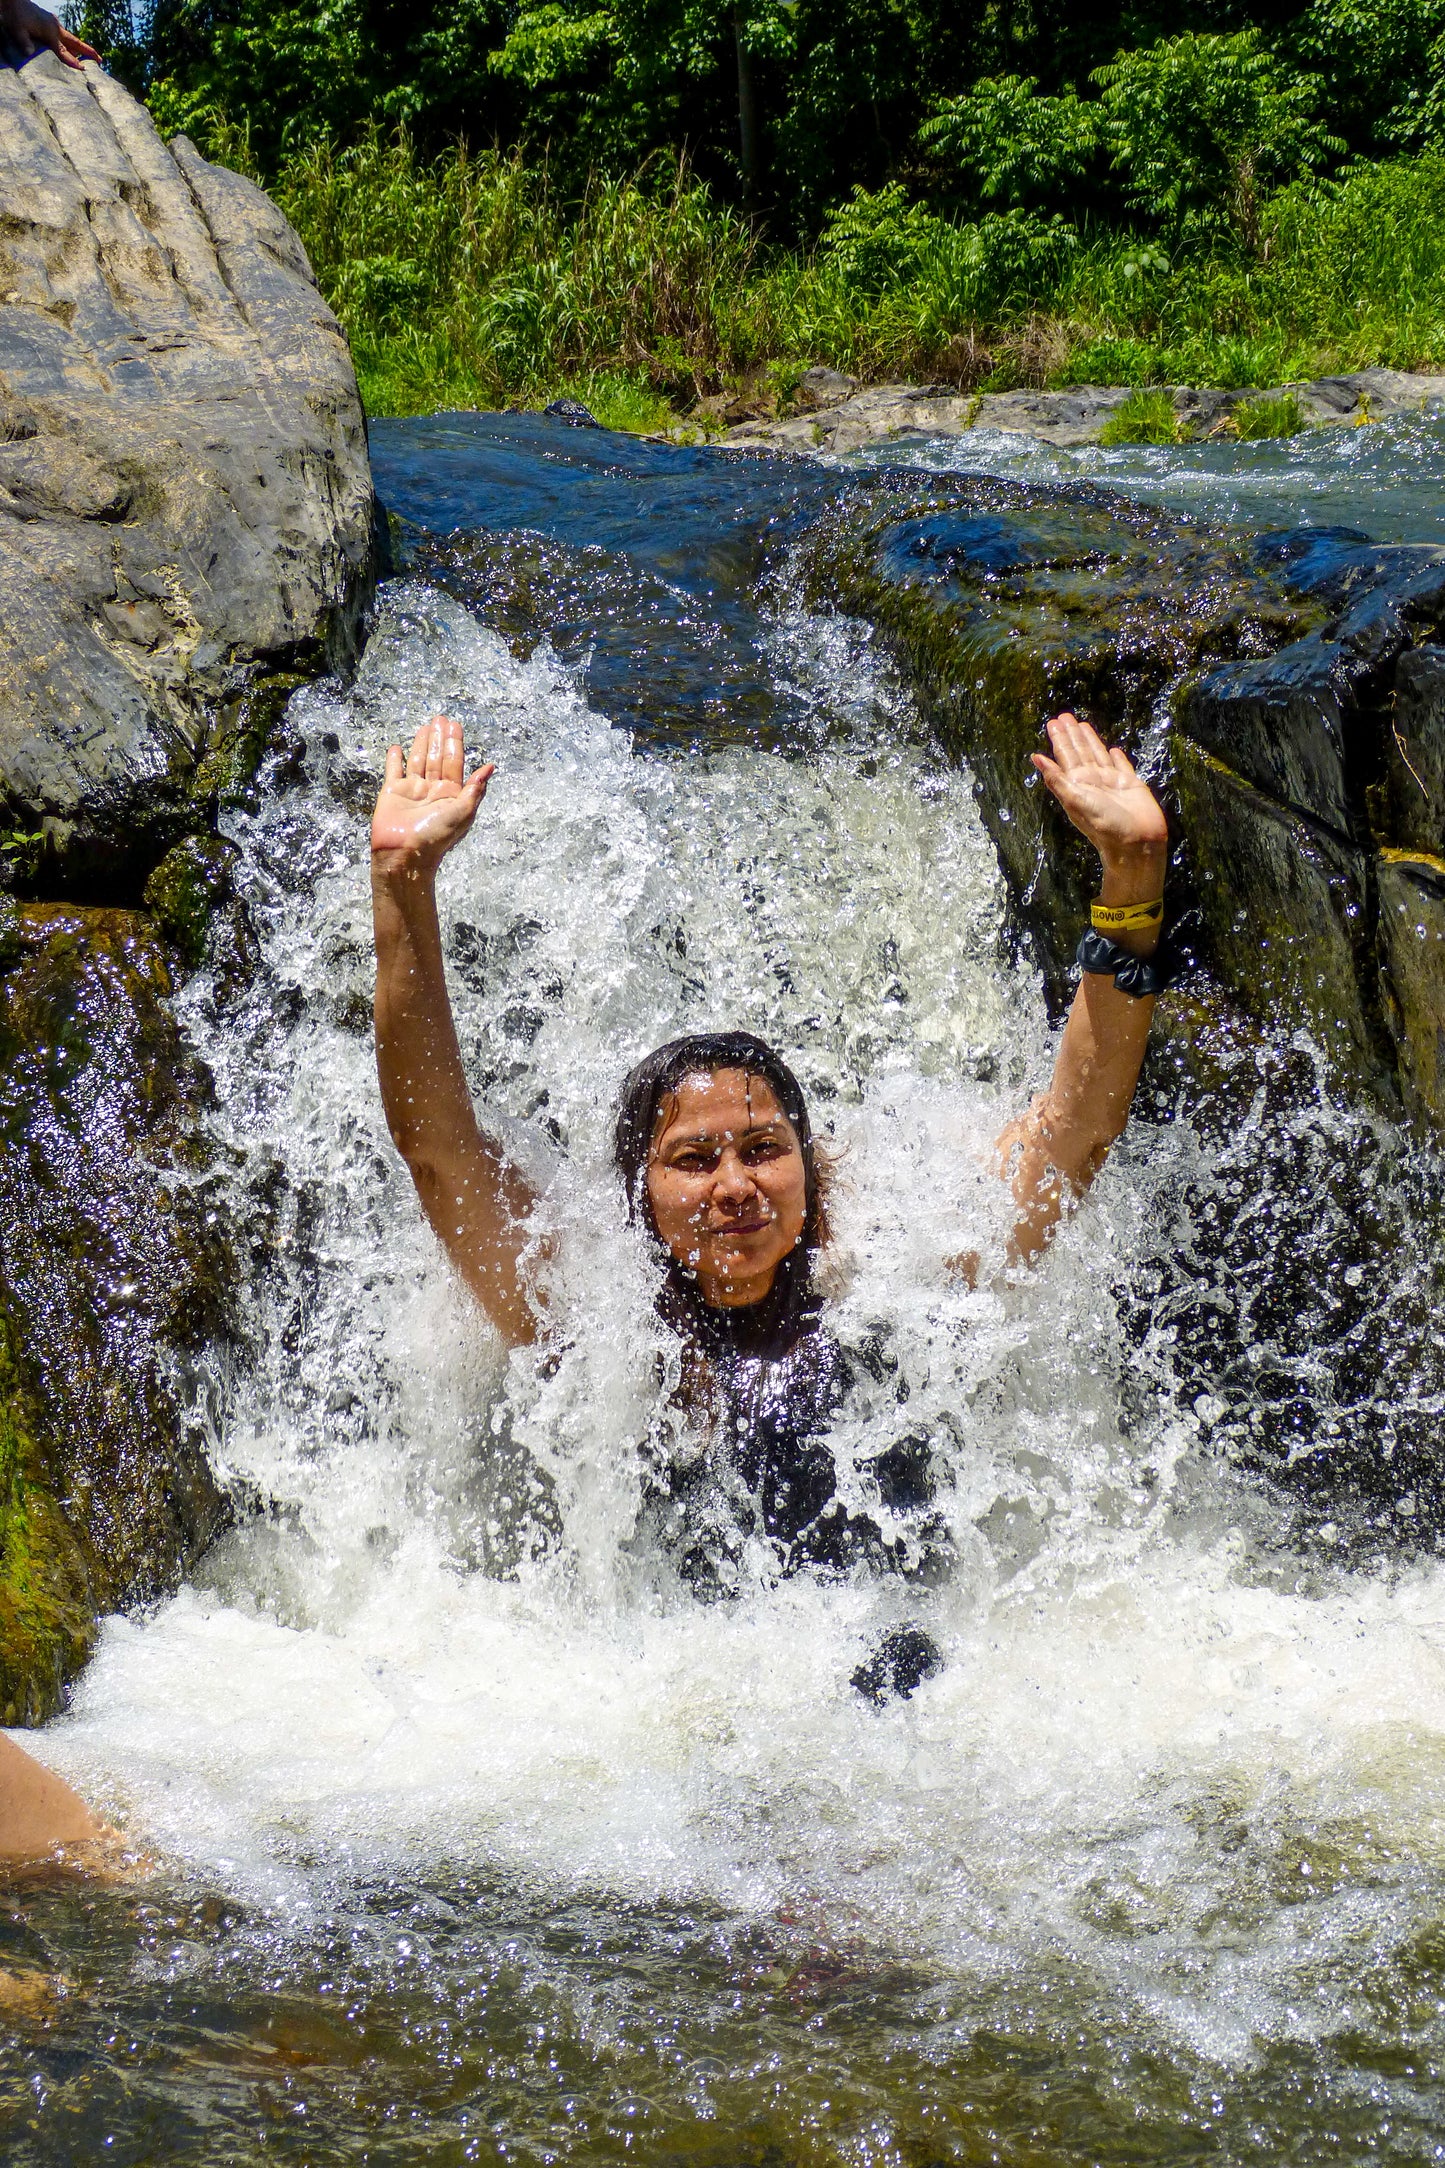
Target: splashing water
x,y
1177,1786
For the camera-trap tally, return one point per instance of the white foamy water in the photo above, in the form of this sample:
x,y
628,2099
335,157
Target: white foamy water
x,y
1215,1794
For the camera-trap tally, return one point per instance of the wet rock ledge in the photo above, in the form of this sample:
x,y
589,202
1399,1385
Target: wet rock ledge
x,y
1286,692
187,525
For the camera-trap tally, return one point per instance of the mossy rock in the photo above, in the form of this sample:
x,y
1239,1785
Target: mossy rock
x,y
1006,604
47,1601
114,1273
1412,945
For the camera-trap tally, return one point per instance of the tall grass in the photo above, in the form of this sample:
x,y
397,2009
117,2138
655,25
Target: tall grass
x,y
471,281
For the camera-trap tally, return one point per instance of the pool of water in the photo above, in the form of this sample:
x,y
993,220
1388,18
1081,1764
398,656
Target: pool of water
x,y
465,1849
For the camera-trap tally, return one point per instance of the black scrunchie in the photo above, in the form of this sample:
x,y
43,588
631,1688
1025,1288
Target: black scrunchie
x,y
1140,976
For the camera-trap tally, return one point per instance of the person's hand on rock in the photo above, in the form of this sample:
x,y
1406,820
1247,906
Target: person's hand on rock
x,y
1103,796
30,30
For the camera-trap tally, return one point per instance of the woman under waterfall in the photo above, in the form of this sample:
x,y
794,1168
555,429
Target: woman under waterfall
x,y
719,1167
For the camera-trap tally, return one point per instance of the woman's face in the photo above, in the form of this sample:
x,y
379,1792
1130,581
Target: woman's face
x,y
727,1185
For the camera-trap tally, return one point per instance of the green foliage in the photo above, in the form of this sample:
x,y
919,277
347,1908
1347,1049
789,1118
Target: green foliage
x,y
1203,128
23,849
473,280
467,280
1009,144
1279,417
878,240
1146,417
1383,62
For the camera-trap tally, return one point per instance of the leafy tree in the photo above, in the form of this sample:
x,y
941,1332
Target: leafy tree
x,y
1381,61
1010,145
1202,128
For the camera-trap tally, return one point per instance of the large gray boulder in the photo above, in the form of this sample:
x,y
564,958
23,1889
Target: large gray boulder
x,y
186,507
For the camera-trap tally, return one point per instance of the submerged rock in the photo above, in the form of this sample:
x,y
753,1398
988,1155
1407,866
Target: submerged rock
x,y
186,507
1288,695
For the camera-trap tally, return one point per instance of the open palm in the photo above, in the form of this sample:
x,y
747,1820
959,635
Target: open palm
x,y
428,802
1099,790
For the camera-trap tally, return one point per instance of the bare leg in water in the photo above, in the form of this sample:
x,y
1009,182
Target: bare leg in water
x,y
39,1813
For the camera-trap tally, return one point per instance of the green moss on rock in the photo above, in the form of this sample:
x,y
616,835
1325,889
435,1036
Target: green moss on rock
x,y
186,889
47,1608
113,1271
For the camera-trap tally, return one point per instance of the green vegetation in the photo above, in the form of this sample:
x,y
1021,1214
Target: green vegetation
x,y
677,202
1279,417
1146,417
473,280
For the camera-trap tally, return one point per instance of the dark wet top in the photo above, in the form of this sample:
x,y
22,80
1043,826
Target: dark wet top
x,y
760,1389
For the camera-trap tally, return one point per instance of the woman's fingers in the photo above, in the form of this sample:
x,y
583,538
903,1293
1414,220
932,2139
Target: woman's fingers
x,y
1078,749
395,764
416,764
475,787
452,749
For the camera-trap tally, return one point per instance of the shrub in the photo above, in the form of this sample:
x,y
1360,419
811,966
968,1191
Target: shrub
x,y
1280,417
1203,127
1146,417
1013,146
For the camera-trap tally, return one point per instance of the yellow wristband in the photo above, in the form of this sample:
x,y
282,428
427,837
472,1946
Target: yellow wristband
x,y
1125,917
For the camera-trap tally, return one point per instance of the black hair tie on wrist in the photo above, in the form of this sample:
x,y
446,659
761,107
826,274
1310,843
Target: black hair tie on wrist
x,y
1141,976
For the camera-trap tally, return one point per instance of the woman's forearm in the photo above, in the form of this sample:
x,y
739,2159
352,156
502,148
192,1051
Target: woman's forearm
x,y
476,1201
1054,1152
423,1085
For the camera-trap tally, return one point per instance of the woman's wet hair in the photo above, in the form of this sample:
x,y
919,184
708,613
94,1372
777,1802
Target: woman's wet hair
x,y
704,1053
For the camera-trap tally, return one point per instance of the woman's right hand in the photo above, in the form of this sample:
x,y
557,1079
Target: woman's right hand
x,y
427,802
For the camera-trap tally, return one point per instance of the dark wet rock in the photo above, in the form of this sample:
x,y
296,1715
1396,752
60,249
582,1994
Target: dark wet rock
x,y
1288,695
898,1666
1285,905
573,413
114,1272
186,509
1280,723
1415,751
1411,891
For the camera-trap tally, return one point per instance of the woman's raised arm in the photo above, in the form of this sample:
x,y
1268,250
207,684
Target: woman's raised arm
x,y
476,1200
1053,1153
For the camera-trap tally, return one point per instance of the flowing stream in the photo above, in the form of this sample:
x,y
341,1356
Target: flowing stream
x,y
476,1838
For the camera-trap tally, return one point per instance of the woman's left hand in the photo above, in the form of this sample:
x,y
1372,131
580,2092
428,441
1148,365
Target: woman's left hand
x,y
1105,799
